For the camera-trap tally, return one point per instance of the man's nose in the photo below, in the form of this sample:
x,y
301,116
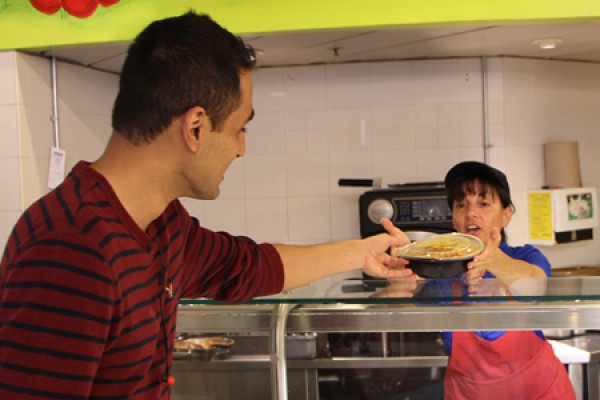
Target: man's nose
x,y
242,149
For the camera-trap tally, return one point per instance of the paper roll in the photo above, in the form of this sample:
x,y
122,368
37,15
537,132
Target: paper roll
x,y
561,164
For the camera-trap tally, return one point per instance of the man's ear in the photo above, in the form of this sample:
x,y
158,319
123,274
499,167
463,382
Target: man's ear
x,y
195,123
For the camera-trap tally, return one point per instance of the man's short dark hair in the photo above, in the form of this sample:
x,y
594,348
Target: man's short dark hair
x,y
175,64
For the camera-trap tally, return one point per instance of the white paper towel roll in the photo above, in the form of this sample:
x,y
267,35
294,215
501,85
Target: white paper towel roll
x,y
561,164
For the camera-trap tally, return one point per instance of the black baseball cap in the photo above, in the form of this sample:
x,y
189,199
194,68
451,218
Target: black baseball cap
x,y
471,170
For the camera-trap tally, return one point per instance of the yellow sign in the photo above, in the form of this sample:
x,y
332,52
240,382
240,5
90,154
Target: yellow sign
x,y
540,217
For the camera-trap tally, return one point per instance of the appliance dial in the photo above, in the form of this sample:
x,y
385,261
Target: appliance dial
x,y
435,212
380,208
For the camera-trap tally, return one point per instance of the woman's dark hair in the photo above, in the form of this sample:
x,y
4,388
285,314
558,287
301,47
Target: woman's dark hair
x,y
175,64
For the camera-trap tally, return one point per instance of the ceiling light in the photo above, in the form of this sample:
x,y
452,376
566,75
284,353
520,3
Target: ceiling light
x,y
547,44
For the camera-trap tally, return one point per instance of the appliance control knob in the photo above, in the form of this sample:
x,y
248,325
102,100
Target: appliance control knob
x,y
378,209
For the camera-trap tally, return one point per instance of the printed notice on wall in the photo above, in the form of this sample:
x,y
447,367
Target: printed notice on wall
x,y
56,172
540,217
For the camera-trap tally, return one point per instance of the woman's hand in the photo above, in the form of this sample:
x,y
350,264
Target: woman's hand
x,y
490,257
504,268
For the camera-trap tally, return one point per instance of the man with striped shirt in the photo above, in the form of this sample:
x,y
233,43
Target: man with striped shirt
x,y
92,272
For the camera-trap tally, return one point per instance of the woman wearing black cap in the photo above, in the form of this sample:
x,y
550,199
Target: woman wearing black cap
x,y
497,364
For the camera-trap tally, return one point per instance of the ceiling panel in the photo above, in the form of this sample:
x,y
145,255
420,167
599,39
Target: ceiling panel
x,y
107,57
581,41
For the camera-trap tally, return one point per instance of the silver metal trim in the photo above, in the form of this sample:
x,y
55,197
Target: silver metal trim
x,y
278,362
54,117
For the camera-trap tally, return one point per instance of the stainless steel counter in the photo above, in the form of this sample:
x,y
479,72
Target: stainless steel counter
x,y
365,306
391,318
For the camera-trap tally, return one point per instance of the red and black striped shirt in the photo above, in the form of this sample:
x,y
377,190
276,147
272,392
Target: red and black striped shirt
x,y
82,295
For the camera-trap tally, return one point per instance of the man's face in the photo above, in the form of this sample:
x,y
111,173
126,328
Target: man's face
x,y
220,148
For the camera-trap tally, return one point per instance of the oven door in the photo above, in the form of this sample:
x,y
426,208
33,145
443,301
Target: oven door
x,y
422,208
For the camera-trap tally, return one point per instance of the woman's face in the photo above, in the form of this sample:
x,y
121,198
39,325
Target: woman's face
x,y
479,212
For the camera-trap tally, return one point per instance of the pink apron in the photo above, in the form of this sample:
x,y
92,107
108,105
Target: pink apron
x,y
516,366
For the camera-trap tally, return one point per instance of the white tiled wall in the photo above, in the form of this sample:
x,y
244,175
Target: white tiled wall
x,y
26,129
84,109
35,125
401,121
10,172
543,101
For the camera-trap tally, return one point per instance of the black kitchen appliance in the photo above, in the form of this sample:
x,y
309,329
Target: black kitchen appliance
x,y
419,206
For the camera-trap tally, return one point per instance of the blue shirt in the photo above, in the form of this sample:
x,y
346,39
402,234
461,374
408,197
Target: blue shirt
x,y
526,253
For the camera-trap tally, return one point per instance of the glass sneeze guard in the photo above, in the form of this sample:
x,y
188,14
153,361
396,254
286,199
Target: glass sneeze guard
x,y
359,305
435,292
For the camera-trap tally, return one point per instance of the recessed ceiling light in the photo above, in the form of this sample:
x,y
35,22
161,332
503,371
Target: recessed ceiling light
x,y
547,44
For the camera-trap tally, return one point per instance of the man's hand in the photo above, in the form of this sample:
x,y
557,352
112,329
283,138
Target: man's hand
x,y
404,287
394,231
382,264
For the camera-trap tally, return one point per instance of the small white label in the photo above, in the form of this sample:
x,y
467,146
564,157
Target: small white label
x,y
56,173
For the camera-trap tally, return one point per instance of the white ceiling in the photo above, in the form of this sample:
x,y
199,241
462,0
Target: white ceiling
x,y
581,41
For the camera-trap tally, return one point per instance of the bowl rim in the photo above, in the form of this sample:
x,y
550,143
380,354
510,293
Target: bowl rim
x,y
479,242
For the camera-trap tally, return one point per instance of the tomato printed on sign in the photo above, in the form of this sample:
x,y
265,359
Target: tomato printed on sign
x,y
77,8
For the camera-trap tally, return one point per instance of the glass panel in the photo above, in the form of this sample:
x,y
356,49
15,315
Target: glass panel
x,y
436,291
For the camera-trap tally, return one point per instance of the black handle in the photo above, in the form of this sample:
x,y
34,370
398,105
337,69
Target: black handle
x,y
356,182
